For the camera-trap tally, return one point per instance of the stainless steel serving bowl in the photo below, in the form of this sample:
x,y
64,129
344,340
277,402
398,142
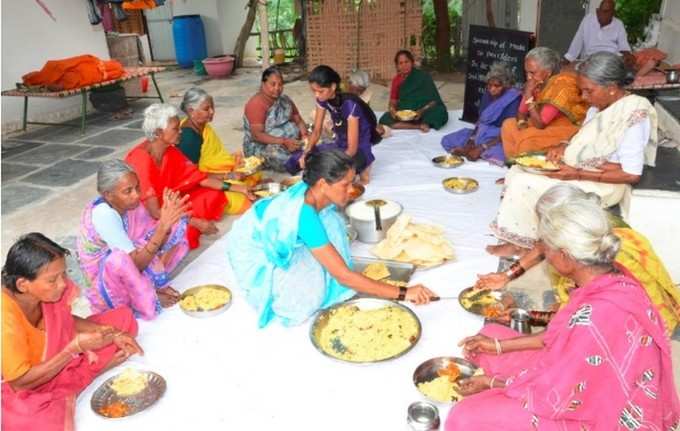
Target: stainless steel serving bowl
x,y
273,188
672,76
367,229
427,371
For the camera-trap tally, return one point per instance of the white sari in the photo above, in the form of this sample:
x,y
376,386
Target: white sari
x,y
590,148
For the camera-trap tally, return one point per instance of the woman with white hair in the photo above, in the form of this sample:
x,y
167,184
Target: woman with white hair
x,y
160,165
605,157
551,109
604,361
200,144
126,255
499,102
636,257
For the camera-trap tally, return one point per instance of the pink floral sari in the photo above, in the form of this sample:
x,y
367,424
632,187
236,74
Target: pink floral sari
x,y
51,407
606,365
114,278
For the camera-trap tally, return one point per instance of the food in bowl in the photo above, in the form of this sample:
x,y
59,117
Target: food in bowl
x,y
129,382
116,409
356,191
536,162
406,115
250,164
440,389
461,184
206,299
371,335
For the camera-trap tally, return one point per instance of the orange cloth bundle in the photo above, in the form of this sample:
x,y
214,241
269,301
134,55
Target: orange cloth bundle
x,y
139,4
74,72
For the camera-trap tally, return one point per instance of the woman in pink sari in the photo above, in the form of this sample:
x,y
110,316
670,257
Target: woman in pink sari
x,y
48,355
604,362
127,255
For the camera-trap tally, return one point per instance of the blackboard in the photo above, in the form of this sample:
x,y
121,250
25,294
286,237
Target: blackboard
x,y
486,46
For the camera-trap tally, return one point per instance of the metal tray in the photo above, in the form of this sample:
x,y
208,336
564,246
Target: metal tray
x,y
321,320
536,170
503,301
448,161
427,371
207,313
399,271
272,187
105,396
460,191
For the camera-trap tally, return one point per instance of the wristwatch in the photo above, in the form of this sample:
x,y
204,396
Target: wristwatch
x,y
402,293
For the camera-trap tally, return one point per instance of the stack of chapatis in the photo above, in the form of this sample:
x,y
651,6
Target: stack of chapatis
x,y
420,244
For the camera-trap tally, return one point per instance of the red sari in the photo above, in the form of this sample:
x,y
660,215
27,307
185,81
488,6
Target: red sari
x,y
51,407
178,173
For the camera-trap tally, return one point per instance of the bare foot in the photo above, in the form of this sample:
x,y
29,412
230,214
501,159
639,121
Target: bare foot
x,y
424,127
503,250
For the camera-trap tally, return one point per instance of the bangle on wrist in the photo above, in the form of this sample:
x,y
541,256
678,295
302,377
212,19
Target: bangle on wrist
x,y
226,186
402,293
497,344
493,379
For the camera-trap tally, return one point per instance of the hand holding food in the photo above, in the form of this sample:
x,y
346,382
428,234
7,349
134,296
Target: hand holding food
x,y
474,384
477,344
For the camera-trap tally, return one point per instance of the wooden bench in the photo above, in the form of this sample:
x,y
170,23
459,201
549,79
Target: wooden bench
x,y
130,73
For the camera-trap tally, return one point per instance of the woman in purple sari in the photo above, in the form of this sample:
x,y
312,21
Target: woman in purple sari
x,y
499,102
126,255
354,122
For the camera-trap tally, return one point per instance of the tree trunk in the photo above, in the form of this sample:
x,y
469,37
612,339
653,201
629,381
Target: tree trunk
x,y
264,32
489,14
244,35
442,33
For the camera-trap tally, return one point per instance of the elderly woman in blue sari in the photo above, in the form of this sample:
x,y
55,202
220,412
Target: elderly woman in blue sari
x,y
290,253
272,125
499,102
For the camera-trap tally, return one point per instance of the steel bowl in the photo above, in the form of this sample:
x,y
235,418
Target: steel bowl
x,y
291,181
321,320
672,76
105,396
206,313
461,191
367,228
427,371
448,161
423,416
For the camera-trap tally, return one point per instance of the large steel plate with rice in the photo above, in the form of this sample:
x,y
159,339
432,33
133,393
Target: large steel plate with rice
x,y
365,330
437,378
110,403
206,300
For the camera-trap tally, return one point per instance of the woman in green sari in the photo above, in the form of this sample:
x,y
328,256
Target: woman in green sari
x,y
413,89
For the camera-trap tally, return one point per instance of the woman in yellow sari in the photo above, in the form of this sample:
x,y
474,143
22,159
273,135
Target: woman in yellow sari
x,y
551,109
635,257
201,145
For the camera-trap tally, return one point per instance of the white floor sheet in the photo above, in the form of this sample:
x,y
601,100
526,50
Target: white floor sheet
x,y
225,374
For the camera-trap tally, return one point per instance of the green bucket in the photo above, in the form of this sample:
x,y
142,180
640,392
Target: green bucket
x,y
199,69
